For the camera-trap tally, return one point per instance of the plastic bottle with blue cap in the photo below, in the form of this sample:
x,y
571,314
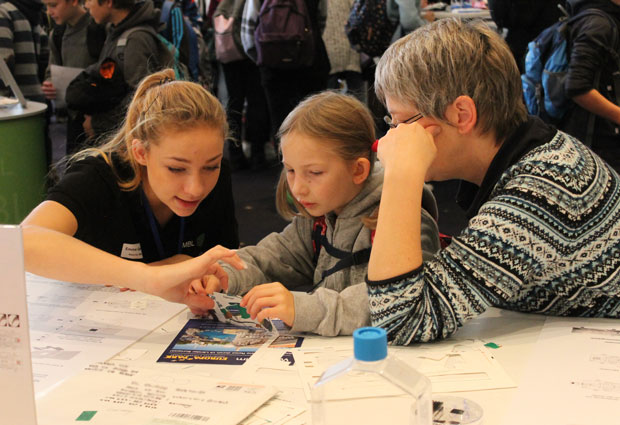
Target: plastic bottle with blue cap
x,y
371,387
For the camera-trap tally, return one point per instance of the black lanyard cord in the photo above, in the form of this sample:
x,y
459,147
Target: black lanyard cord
x,y
155,230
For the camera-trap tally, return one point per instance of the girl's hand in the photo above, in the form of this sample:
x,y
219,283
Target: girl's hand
x,y
214,282
408,148
172,282
270,300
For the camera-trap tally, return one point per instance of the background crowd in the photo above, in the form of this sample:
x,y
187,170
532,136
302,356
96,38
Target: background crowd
x,y
119,42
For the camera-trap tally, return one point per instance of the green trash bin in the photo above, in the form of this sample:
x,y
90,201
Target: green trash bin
x,y
23,165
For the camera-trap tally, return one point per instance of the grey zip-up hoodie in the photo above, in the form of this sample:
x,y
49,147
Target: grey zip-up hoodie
x,y
340,303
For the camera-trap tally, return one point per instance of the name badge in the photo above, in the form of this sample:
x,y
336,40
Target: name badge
x,y
132,251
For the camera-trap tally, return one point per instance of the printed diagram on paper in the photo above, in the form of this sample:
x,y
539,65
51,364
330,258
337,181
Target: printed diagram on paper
x,y
228,310
452,365
72,326
128,395
573,375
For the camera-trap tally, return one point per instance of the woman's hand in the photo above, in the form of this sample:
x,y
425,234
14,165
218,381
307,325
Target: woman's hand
x,y
270,300
408,148
215,281
172,282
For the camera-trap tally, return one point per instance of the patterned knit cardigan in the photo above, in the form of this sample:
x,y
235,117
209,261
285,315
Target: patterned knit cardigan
x,y
547,241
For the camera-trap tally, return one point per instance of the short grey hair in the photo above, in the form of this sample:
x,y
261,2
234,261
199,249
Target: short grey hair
x,y
437,63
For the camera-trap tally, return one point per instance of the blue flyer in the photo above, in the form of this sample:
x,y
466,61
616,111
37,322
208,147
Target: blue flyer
x,y
209,341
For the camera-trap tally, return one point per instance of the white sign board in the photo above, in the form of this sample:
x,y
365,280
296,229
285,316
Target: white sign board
x,y
17,404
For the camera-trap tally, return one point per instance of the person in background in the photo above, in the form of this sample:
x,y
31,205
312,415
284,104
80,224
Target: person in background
x,y
140,56
595,115
330,188
24,45
243,84
285,88
76,42
409,15
157,194
344,61
545,210
523,20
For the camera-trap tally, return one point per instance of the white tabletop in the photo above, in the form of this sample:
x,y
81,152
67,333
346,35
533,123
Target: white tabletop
x,y
514,333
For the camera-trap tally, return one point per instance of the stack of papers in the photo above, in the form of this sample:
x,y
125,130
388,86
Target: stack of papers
x,y
126,395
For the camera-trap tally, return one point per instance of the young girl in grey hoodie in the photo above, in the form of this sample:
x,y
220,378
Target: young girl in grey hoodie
x,y
311,275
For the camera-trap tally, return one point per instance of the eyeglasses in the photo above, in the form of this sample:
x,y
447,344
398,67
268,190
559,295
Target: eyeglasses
x,y
392,124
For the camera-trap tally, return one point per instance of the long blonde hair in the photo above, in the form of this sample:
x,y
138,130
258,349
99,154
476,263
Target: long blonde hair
x,y
159,105
341,122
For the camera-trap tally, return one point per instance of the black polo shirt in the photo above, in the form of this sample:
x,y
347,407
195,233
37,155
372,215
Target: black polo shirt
x,y
116,221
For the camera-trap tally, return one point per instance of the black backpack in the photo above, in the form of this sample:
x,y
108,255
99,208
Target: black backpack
x,y
284,36
368,28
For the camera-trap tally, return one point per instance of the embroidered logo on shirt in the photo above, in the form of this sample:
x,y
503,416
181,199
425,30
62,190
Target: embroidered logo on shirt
x,y
188,244
132,251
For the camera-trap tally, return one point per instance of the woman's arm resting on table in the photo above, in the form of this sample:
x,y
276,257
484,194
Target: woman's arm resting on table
x,y
51,250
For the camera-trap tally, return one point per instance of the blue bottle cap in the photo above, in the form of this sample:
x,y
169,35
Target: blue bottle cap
x,y
370,344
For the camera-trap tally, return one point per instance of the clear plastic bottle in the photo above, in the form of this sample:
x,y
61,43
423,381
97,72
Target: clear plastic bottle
x,y
371,387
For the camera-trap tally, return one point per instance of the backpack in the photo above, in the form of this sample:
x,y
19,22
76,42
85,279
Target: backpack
x,y
168,55
284,36
98,90
368,28
546,66
95,38
227,27
178,31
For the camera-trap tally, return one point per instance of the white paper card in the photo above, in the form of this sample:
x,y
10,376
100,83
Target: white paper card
x,y
130,395
573,376
61,77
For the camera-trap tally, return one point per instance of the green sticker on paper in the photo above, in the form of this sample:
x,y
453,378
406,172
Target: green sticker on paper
x,y
86,415
492,345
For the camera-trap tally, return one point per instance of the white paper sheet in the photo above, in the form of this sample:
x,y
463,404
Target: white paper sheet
x,y
282,409
573,377
452,365
130,395
72,326
61,77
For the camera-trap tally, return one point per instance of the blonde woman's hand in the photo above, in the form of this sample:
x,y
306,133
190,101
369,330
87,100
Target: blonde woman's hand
x,y
270,300
216,281
172,282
